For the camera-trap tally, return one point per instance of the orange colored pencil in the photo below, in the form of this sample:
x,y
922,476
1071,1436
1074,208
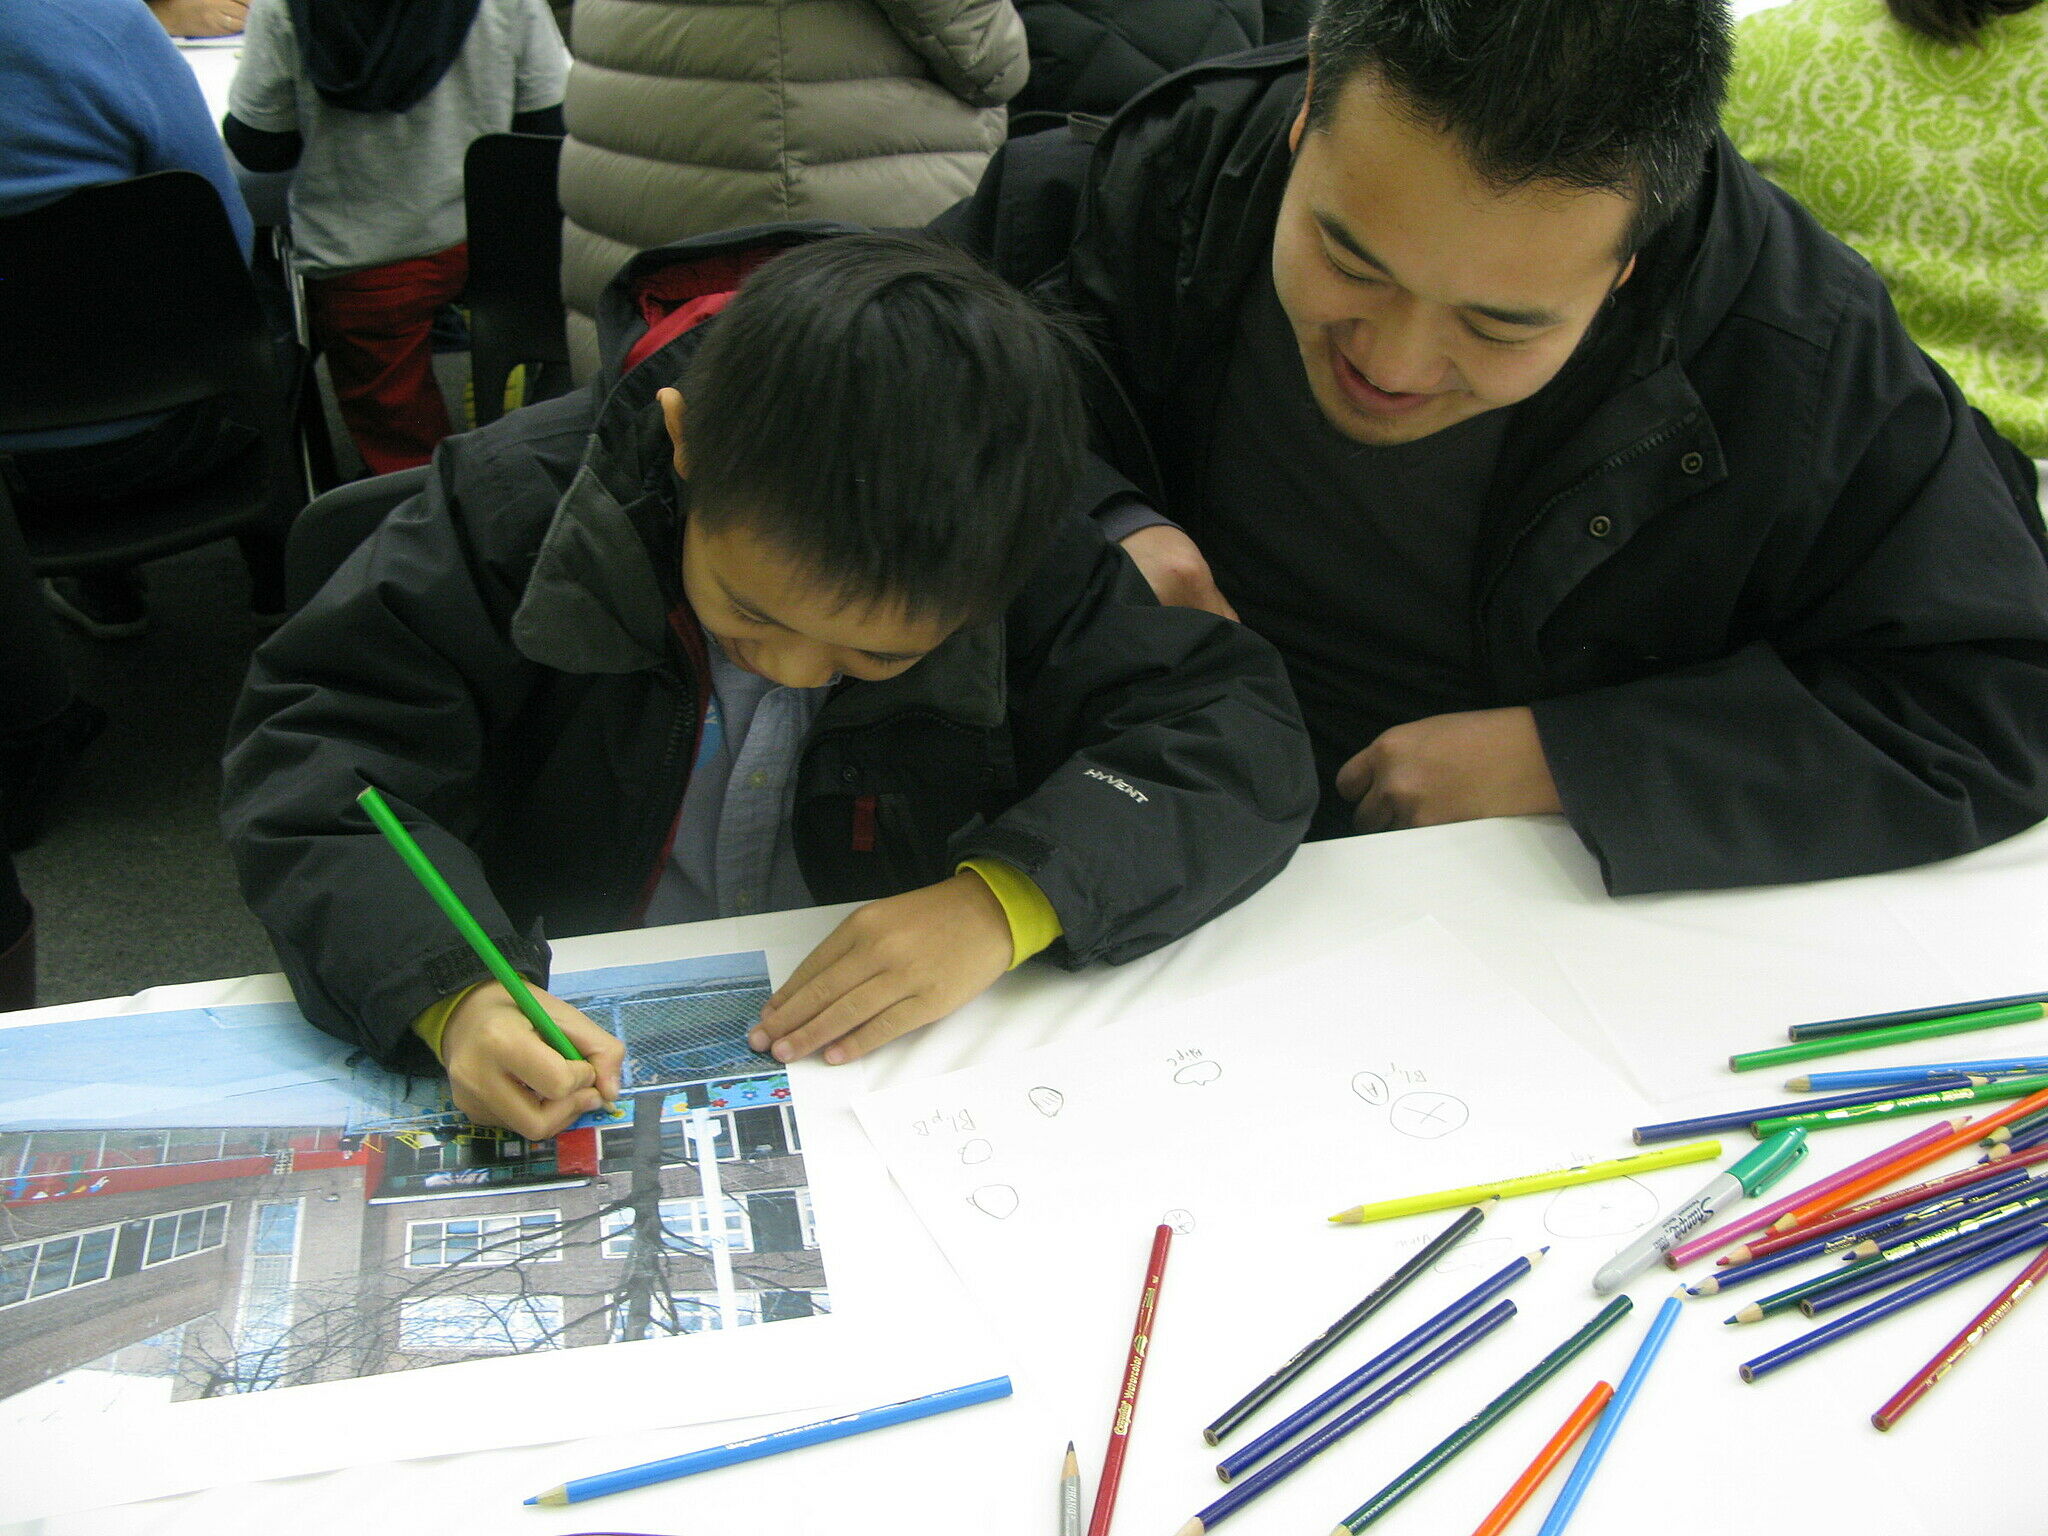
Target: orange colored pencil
x,y
1966,1134
1591,1406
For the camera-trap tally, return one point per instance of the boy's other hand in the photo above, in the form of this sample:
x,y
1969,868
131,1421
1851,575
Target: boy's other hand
x,y
502,1073
201,18
893,966
1461,767
1176,569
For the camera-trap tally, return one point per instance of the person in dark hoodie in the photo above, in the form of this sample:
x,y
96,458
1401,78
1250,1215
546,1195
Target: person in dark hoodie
x,y
1570,465
786,606
373,103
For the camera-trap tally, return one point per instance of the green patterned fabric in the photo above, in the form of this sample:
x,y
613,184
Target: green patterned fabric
x,y
1930,160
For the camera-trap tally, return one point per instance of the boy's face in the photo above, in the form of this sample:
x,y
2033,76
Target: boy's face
x,y
772,616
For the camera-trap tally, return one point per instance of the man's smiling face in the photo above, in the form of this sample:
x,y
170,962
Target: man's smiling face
x,y
1421,295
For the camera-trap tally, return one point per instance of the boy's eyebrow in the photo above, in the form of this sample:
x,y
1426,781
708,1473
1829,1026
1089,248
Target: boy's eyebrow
x,y
1534,318
759,615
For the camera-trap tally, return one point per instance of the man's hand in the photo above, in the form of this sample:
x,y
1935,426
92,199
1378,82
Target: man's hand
x,y
502,1073
1179,576
1483,762
201,18
893,966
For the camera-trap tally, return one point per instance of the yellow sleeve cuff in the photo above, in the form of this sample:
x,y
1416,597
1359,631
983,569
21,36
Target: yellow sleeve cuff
x,y
433,1023
1033,923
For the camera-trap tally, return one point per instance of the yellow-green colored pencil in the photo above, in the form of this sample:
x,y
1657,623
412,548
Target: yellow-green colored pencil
x,y
1533,1183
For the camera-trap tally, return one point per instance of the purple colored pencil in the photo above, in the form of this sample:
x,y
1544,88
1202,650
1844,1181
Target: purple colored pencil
x,y
1880,1274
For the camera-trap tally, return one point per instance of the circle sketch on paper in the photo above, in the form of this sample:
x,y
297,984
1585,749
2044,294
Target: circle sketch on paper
x,y
997,1200
1427,1114
977,1151
1047,1101
1182,1221
1492,1251
1611,1208
1371,1087
1198,1074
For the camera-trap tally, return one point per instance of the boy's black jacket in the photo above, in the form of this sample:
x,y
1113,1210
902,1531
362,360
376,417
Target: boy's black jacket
x,y
498,659
1778,610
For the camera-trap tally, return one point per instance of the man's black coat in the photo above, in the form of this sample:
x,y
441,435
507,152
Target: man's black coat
x,y
1777,609
503,660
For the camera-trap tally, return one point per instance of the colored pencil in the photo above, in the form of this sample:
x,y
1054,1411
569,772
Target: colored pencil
x,y
1878,1077
1297,1456
1533,1183
1908,1104
1952,1203
1963,1134
1336,1333
576,1490
1826,1027
1977,1176
1863,1277
1950,1355
1747,1177
1127,1394
1524,1487
1868,1275
1940,1280
1455,1444
1743,1119
1070,1494
1602,1438
1764,1215
444,897
2019,1128
1741,1274
1385,1361
1871,1039
2001,1208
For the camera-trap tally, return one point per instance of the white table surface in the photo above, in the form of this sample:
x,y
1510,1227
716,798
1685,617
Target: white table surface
x,y
1525,897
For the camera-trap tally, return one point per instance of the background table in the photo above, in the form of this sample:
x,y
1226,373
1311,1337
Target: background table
x,y
1662,988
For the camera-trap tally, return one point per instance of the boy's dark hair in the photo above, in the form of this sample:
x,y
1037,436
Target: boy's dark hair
x,y
892,416
1607,95
1953,21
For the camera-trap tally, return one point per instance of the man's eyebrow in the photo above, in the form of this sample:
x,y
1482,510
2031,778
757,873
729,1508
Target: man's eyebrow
x,y
1535,319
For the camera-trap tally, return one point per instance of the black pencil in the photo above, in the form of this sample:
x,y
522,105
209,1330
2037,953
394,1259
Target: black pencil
x,y
1335,1334
1825,1028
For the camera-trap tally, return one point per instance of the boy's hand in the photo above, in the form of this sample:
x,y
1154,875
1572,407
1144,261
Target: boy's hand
x,y
1482,762
1176,570
502,1073
893,966
201,18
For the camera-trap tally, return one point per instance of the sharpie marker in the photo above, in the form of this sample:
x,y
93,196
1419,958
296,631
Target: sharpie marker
x,y
1743,1179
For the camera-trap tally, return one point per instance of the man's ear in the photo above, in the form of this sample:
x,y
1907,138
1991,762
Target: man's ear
x,y
672,417
1301,118
1628,271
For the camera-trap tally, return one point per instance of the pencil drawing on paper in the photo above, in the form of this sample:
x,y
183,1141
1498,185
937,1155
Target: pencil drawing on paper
x,y
997,1200
252,1205
1606,1209
1198,1074
1427,1115
976,1151
1182,1221
1047,1101
1371,1087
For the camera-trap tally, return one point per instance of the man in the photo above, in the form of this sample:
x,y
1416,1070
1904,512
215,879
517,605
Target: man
x,y
1571,466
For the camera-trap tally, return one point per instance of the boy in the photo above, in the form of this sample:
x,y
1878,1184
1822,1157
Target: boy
x,y
811,627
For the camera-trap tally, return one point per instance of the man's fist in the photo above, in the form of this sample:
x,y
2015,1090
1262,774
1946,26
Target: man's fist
x,y
1483,762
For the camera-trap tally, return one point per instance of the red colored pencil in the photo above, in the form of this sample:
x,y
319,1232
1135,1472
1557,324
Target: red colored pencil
x,y
1849,1216
1964,1135
1127,1397
1591,1406
2028,1280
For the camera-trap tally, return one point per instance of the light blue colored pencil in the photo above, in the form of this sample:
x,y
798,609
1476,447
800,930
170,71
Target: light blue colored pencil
x,y
1603,1433
1892,1077
576,1490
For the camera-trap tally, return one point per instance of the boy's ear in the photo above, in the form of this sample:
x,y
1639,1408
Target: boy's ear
x,y
672,418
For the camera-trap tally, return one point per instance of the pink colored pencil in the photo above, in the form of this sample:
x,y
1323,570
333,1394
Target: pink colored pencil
x,y
1760,1218
1953,1351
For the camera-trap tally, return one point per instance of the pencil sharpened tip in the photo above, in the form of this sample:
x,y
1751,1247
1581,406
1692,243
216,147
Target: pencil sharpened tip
x,y
1192,1528
552,1496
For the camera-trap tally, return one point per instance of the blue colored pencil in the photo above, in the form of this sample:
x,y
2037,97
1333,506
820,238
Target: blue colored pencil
x,y
1378,1365
1701,1125
576,1490
1603,1433
1955,1274
1297,1456
1881,1274
1879,1077
1756,1269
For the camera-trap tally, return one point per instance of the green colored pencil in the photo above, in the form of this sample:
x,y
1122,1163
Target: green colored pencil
x,y
1867,1039
445,898
1892,1109
1792,1295
1455,1443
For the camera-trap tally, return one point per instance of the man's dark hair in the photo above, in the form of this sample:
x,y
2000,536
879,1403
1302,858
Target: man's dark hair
x,y
1607,95
893,417
1954,21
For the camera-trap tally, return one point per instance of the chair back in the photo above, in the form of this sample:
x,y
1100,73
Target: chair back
x,y
334,523
123,299
515,242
